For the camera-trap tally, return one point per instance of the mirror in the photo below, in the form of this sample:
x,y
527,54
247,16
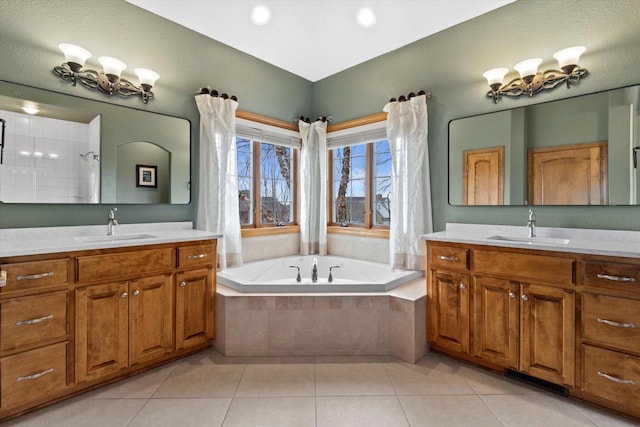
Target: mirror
x,y
574,151
76,150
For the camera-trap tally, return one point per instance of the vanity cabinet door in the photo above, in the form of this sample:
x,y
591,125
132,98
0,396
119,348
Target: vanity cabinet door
x,y
496,322
547,341
102,330
151,320
195,295
448,298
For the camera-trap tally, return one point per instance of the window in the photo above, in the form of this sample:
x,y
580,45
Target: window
x,y
360,177
266,178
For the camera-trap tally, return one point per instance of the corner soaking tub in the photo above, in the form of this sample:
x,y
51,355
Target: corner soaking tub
x,y
278,276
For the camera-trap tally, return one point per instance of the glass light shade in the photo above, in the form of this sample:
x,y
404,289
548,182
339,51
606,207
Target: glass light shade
x,y
112,65
495,75
366,17
146,77
29,109
260,15
569,56
73,53
528,67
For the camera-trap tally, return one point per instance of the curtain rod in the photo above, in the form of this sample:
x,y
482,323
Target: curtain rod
x,y
403,98
213,92
308,120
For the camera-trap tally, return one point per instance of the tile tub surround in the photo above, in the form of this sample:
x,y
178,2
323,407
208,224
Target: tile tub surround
x,y
621,243
390,323
42,240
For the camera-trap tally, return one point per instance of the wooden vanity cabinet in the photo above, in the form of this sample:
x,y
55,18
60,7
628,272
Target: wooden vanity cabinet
x,y
513,309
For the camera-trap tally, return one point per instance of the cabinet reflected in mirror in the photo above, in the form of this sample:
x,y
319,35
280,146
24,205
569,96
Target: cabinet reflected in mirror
x,y
75,150
574,151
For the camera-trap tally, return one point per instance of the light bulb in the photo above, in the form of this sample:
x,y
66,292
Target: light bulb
x,y
260,15
366,17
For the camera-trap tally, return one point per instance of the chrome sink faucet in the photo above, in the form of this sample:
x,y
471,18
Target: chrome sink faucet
x,y
531,224
112,222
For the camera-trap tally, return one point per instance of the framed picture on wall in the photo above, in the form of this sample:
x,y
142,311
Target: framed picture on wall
x,y
146,176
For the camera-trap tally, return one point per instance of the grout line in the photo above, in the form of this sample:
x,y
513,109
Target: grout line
x,y
138,412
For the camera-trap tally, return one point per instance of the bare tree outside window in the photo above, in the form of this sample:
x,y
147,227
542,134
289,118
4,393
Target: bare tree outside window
x,y
382,183
245,179
275,184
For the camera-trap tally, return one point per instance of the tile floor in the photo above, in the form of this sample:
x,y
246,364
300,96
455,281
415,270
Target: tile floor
x,y
208,389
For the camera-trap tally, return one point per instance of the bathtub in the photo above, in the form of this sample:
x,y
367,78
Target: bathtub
x,y
277,276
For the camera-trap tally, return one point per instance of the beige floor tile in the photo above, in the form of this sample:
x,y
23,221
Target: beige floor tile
x,y
357,359
535,410
483,381
424,411
603,418
355,411
83,413
435,361
271,412
201,381
414,380
277,380
356,379
182,412
140,386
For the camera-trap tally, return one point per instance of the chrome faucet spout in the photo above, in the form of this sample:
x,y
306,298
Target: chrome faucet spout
x,y
112,222
314,271
531,224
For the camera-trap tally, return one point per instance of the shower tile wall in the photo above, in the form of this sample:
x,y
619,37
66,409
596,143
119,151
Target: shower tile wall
x,y
42,159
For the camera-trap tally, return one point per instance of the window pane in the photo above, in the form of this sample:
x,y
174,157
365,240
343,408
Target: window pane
x,y
275,184
245,176
349,190
382,183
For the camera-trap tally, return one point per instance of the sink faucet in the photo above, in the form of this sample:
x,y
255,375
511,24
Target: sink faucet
x,y
112,222
314,271
532,223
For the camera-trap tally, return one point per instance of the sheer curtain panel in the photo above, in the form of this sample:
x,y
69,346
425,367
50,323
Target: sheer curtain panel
x,y
410,183
218,194
313,188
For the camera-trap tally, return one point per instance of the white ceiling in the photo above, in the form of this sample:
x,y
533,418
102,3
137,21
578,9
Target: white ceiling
x,y
317,38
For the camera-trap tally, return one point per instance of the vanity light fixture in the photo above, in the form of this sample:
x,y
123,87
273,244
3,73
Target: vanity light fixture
x,y
531,81
108,80
30,109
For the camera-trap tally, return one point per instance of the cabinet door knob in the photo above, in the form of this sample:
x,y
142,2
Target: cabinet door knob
x,y
136,293
183,284
463,286
124,295
512,295
525,298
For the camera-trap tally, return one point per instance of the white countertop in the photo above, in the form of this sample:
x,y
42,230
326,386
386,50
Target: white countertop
x,y
41,240
585,241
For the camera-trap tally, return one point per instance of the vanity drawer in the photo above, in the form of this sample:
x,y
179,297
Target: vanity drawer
x,y
449,257
32,375
611,375
609,275
527,266
37,274
189,256
28,320
123,265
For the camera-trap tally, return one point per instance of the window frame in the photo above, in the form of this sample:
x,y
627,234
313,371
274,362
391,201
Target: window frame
x,y
368,229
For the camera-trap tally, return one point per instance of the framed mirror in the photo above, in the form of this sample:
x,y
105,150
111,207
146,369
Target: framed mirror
x,y
58,148
574,151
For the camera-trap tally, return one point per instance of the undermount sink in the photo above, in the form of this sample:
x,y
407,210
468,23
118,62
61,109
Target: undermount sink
x,y
116,238
531,240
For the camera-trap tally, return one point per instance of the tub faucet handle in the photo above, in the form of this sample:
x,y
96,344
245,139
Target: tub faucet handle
x,y
298,278
330,279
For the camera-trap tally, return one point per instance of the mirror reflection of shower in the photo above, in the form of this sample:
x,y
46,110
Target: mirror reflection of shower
x,y
86,157
4,125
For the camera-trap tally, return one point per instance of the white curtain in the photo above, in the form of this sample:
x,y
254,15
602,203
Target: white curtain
x,y
410,183
218,193
313,188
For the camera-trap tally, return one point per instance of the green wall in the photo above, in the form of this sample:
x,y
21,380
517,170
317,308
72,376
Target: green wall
x,y
30,31
450,64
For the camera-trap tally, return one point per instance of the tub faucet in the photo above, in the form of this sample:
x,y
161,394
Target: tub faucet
x,y
112,222
330,279
298,278
314,271
532,223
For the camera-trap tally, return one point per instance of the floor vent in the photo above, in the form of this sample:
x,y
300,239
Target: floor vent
x,y
549,386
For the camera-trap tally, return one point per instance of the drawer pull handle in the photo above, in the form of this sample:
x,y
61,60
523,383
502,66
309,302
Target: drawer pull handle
x,y
124,295
448,258
136,293
34,376
183,284
615,379
34,321
35,276
616,278
463,286
617,324
196,256
525,298
512,295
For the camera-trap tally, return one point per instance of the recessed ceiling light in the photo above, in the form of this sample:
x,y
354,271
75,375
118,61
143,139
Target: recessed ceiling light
x,y
260,14
366,17
30,110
